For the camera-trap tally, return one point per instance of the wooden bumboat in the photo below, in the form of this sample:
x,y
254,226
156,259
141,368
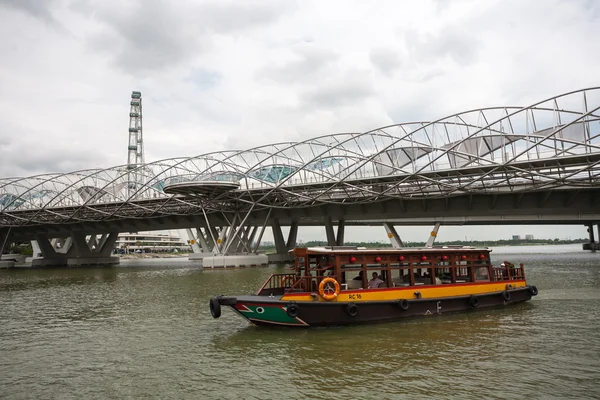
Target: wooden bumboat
x,y
337,286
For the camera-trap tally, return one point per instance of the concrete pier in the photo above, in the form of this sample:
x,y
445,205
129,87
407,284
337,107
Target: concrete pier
x,y
592,244
231,261
71,262
277,258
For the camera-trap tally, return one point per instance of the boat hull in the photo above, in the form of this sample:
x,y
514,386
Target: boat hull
x,y
270,311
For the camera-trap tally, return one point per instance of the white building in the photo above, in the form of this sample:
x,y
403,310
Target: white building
x,y
151,242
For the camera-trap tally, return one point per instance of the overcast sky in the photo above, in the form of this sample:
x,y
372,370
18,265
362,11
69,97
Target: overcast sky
x,y
223,75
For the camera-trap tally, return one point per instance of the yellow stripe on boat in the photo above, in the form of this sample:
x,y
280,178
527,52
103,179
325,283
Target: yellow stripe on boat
x,y
426,292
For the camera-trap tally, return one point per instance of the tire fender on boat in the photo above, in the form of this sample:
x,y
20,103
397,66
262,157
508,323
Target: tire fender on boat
x,y
352,309
403,304
215,307
506,295
293,309
533,290
474,301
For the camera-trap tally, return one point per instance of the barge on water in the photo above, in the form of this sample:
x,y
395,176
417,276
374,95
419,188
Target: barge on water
x,y
343,285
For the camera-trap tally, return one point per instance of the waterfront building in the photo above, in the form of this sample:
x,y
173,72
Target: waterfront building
x,y
151,242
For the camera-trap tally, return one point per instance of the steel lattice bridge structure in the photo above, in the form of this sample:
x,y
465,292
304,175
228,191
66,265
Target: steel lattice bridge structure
x,y
499,165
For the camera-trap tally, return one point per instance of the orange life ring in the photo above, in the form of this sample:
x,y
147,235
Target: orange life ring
x,y
286,279
329,296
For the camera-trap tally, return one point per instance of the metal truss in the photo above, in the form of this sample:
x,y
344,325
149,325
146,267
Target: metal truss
x,y
551,144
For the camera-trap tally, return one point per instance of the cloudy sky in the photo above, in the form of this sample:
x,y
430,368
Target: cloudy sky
x,y
222,75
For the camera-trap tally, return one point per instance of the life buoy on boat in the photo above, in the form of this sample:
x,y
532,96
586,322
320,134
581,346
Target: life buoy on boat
x,y
352,309
326,282
293,309
403,304
533,290
474,301
506,295
215,307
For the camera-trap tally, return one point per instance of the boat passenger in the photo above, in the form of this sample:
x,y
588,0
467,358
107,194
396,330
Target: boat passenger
x,y
373,283
359,277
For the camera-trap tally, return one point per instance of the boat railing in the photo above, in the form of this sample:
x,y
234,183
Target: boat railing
x,y
309,283
508,273
277,284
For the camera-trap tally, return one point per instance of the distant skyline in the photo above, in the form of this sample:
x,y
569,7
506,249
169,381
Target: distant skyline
x,y
445,233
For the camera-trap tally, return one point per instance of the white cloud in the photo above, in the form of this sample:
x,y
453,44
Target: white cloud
x,y
219,75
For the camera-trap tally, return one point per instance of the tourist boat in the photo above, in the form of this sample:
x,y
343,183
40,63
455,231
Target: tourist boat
x,y
342,285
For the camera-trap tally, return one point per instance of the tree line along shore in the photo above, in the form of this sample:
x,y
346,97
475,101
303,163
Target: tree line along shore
x,y
474,243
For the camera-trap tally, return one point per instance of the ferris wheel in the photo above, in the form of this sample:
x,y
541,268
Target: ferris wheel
x,y
135,148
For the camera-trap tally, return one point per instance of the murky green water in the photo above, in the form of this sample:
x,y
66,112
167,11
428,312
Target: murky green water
x,y
144,330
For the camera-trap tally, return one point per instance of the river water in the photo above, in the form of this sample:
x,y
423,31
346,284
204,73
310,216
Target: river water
x,y
144,329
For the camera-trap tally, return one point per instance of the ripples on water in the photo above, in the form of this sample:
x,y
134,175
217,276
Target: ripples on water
x,y
145,331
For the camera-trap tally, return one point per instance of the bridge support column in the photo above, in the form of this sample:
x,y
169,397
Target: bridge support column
x,y
230,245
592,244
281,246
77,250
4,244
194,240
292,236
329,232
393,235
339,239
433,235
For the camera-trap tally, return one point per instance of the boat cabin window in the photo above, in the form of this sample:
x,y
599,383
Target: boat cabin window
x,y
482,274
463,274
350,270
443,274
423,276
400,274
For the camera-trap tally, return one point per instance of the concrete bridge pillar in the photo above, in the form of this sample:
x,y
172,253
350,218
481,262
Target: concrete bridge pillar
x,y
339,240
281,246
76,250
333,238
292,236
329,232
4,243
194,240
227,246
592,244
433,235
393,235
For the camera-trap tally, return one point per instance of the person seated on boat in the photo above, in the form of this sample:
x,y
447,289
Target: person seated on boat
x,y
358,277
373,283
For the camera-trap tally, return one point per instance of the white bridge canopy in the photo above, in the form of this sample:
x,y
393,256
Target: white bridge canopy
x,y
552,144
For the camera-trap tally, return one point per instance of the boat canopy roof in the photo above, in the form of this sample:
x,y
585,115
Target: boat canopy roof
x,y
389,250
